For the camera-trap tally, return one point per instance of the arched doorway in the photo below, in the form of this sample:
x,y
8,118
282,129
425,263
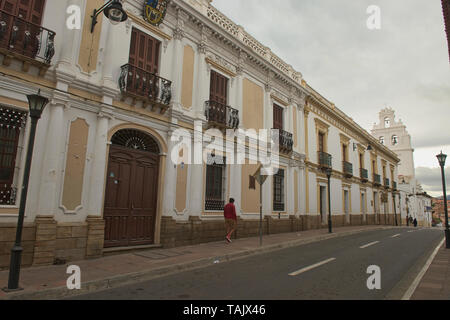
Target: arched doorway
x,y
131,196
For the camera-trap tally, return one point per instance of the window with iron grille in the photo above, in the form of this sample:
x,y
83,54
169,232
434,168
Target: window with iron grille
x,y
215,184
12,122
278,191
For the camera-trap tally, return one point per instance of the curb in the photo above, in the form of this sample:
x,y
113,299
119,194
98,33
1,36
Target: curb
x,y
150,274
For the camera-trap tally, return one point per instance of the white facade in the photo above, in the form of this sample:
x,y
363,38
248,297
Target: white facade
x,y
72,175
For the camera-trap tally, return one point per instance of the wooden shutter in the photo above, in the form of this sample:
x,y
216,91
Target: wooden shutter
x,y
344,152
218,88
10,6
36,12
144,51
277,117
321,145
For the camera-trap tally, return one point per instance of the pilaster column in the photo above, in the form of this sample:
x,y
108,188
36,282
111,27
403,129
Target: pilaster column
x,y
170,182
290,190
268,108
203,78
197,182
177,75
70,38
99,165
50,187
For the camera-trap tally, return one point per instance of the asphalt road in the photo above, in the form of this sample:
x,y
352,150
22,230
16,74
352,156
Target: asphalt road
x,y
334,269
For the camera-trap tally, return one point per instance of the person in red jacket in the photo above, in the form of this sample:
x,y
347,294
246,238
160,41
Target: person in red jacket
x,y
230,219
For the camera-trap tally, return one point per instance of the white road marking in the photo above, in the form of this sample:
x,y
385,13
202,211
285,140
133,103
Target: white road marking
x,y
422,272
296,273
396,235
411,231
370,244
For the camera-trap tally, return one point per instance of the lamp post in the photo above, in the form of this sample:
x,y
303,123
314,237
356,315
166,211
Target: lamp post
x,y
328,172
442,158
37,104
113,11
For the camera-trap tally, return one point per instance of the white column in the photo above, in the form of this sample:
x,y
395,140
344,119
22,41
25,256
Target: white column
x,y
268,108
203,82
70,38
290,192
196,188
236,186
177,75
50,190
99,166
238,103
170,180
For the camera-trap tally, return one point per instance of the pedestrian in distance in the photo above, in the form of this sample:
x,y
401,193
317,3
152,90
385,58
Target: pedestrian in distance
x,y
230,219
415,223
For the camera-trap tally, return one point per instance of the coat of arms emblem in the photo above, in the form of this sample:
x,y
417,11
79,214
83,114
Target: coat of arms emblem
x,y
155,11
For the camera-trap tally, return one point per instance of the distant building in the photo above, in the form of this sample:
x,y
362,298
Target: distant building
x,y
438,209
414,202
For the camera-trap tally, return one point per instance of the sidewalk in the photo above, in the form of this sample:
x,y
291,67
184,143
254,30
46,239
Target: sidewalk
x,y
435,284
49,282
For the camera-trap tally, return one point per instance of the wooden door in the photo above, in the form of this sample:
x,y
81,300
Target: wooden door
x,y
131,197
218,90
144,61
144,51
277,117
321,142
218,93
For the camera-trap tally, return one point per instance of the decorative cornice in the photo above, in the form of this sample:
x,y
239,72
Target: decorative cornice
x,y
221,64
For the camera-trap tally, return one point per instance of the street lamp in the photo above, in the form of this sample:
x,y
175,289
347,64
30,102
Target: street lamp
x,y
441,158
113,11
329,171
37,104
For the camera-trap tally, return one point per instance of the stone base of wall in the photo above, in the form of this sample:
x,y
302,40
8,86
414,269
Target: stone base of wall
x,y
7,239
46,242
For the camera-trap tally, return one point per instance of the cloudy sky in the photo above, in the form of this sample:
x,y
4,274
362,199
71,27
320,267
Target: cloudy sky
x,y
404,65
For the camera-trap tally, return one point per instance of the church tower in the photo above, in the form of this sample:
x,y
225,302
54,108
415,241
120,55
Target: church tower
x,y
393,135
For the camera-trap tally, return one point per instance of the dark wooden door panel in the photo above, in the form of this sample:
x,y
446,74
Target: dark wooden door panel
x,y
277,117
131,197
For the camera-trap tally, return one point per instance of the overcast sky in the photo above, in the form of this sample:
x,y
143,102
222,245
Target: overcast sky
x,y
404,65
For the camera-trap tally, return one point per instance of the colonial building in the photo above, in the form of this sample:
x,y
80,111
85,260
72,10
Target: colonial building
x,y
104,175
393,134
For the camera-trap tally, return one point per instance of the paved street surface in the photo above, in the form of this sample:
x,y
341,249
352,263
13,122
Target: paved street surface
x,y
329,269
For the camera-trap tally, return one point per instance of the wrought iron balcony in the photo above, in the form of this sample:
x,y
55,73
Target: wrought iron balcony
x,y
364,174
285,141
278,206
324,159
8,195
377,179
145,86
27,42
214,204
221,116
348,169
387,183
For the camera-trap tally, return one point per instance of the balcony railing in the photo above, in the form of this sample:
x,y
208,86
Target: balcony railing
x,y
387,183
8,195
364,174
214,205
348,169
221,115
325,160
145,86
26,41
285,141
377,179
